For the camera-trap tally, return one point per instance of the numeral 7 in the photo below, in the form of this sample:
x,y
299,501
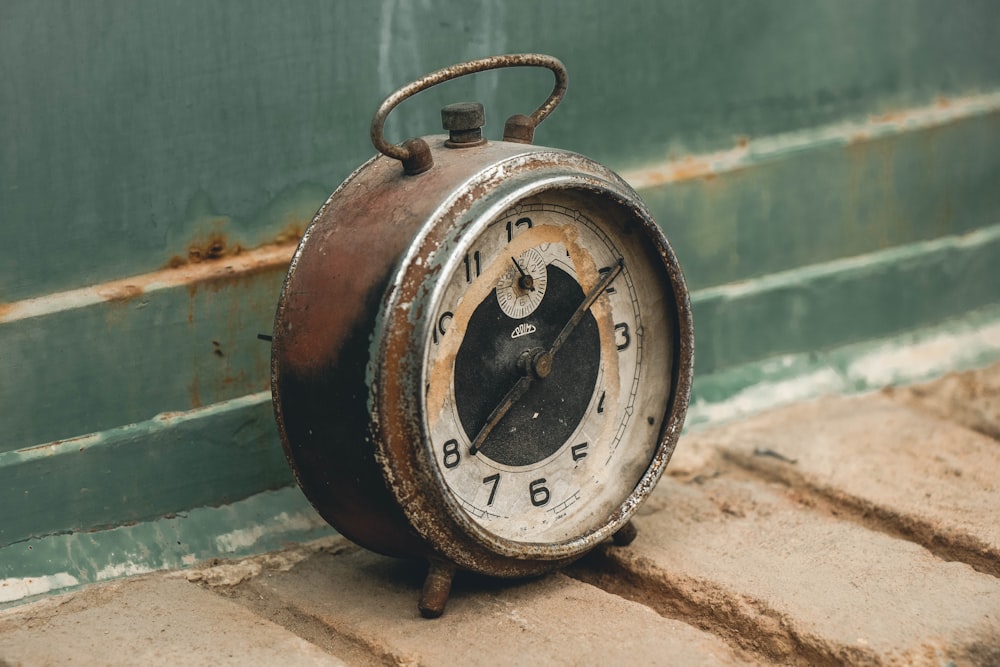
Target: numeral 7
x,y
495,479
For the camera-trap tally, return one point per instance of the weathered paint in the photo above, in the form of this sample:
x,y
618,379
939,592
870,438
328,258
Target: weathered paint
x,y
17,588
748,153
815,133
171,463
847,300
129,130
817,202
967,342
121,352
206,272
263,522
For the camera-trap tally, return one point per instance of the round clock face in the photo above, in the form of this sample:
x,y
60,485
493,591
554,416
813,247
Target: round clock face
x,y
548,371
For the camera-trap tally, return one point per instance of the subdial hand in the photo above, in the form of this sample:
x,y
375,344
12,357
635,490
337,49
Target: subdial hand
x,y
525,282
537,363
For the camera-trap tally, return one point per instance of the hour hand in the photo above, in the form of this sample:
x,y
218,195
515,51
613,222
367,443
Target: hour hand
x,y
512,396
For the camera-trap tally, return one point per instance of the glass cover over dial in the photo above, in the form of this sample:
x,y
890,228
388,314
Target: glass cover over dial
x,y
548,373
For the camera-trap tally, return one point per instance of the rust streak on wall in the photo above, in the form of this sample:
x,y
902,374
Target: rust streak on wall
x,y
749,152
215,272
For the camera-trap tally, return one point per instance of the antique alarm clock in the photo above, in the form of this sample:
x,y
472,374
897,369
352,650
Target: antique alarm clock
x,y
482,351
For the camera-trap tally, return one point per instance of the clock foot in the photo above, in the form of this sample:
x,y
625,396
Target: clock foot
x,y
437,587
625,535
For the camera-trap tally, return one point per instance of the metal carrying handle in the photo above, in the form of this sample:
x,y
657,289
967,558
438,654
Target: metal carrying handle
x,y
414,153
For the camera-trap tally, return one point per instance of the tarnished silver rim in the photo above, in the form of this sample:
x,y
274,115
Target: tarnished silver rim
x,y
456,536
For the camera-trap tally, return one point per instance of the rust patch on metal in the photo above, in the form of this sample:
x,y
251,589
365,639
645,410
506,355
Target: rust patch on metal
x,y
121,292
213,247
194,391
236,270
746,153
689,168
292,231
244,267
894,117
241,265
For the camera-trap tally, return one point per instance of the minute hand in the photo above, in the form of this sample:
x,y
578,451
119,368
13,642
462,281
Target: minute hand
x,y
539,365
582,309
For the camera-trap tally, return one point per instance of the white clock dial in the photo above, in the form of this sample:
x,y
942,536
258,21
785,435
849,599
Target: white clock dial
x,y
543,407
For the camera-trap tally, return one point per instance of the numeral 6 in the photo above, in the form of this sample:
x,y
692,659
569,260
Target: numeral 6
x,y
539,494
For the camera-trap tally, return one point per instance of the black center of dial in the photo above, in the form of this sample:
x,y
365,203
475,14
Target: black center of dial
x,y
490,362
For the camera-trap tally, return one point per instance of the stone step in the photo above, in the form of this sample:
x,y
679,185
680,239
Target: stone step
x,y
844,531
896,469
154,621
971,398
554,620
759,565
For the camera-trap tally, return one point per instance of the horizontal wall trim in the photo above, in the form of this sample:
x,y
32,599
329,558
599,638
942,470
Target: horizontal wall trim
x,y
204,457
96,366
160,422
751,152
693,167
263,522
230,267
829,305
969,341
986,237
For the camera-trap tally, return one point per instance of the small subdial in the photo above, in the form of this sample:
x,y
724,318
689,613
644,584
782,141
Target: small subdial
x,y
521,288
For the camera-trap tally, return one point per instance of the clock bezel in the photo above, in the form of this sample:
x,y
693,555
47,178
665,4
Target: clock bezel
x,y
397,368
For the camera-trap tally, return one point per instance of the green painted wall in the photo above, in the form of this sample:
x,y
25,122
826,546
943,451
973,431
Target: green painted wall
x,y
131,128
827,171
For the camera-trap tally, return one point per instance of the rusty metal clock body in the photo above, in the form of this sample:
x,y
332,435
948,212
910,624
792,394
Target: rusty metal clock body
x,y
483,358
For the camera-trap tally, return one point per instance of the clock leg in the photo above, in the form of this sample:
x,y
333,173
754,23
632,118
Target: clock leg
x,y
625,535
437,587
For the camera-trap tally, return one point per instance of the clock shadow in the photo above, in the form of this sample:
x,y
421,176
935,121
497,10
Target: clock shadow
x,y
410,573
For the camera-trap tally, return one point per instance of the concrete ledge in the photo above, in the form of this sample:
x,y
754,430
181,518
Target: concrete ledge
x,y
155,621
763,569
370,602
908,473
